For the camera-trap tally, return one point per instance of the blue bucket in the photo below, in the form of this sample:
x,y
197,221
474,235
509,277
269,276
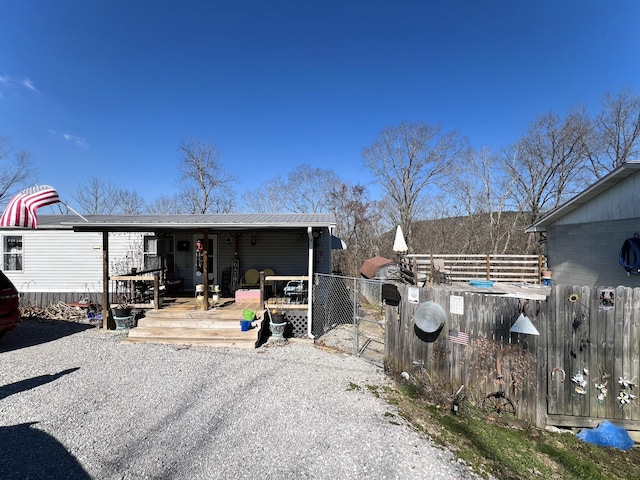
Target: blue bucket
x,y
245,325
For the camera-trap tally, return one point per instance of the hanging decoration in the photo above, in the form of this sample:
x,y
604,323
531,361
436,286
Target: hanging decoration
x,y
625,395
580,381
602,391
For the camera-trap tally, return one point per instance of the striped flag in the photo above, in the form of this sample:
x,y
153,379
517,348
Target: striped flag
x,y
21,209
456,336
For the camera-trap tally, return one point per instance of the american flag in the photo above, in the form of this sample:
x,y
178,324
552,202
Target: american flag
x,y
456,336
21,209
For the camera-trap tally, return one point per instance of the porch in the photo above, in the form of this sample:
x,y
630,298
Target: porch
x,y
182,320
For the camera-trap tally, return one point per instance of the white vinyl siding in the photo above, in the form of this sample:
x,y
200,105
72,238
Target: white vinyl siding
x,y
66,261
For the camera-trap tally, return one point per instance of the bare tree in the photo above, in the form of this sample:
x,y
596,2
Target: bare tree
x,y
547,165
130,203
408,162
357,224
204,186
484,196
308,189
618,127
164,205
269,197
96,197
15,170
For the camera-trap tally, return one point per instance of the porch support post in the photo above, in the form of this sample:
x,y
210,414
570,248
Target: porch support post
x,y
262,289
310,285
105,279
205,271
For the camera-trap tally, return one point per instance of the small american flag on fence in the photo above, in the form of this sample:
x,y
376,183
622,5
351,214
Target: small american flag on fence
x,y
457,336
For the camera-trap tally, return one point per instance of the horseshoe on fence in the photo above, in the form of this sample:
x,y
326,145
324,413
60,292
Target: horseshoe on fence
x,y
558,369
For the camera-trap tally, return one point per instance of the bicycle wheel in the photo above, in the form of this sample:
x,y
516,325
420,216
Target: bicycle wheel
x,y
498,403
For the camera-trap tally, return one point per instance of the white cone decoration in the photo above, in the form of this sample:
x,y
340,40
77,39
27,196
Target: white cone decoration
x,y
524,325
400,245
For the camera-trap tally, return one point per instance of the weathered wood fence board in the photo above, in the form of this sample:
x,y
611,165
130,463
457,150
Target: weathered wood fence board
x,y
580,335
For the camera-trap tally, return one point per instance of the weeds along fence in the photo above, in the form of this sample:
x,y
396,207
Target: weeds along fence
x,y
588,337
462,268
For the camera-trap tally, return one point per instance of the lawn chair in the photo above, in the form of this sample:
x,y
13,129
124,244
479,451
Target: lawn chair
x,y
251,279
439,273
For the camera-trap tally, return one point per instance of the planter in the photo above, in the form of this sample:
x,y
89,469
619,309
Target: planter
x,y
277,329
277,318
123,323
122,312
245,325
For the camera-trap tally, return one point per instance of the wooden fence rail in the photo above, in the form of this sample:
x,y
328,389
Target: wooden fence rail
x,y
588,337
462,268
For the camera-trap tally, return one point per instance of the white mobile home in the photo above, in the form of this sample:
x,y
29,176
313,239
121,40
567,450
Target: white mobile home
x,y
63,258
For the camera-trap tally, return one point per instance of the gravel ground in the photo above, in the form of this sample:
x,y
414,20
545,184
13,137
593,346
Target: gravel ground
x,y
77,404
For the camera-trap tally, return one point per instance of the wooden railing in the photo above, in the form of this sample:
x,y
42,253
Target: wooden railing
x,y
419,268
130,284
278,296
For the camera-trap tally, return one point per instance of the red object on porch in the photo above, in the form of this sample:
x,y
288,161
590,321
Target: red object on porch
x,y
248,295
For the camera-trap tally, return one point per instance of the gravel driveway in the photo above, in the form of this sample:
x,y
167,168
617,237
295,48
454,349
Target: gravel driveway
x,y
77,404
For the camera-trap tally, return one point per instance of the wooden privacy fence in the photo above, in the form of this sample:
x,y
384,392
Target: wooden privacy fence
x,y
588,336
462,268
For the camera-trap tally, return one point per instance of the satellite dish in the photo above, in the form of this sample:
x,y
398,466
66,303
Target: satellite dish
x,y
429,317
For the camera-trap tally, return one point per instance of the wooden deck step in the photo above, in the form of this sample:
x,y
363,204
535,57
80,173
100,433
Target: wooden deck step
x,y
194,336
184,322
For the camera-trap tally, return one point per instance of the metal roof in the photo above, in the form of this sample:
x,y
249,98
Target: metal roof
x,y
145,223
605,183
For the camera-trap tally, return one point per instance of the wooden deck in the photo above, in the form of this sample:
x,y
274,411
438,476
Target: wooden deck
x,y
182,320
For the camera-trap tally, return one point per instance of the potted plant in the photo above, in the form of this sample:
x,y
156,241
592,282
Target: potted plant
x,y
277,317
123,309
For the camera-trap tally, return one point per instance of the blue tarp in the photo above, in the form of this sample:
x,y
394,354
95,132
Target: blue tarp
x,y
607,435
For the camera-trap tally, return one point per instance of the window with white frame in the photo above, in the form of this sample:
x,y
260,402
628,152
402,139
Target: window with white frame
x,y
12,252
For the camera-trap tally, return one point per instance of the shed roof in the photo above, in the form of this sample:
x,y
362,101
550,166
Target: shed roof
x,y
605,183
145,223
371,266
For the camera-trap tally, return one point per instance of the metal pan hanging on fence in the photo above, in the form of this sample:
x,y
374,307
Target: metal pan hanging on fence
x,y
429,317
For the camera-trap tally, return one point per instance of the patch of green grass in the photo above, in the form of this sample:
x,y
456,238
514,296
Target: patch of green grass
x,y
374,390
508,450
410,390
353,386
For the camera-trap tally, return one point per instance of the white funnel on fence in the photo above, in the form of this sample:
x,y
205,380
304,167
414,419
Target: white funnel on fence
x,y
524,325
400,245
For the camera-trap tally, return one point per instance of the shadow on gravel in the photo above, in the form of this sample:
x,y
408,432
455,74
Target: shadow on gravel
x,y
34,332
28,384
30,453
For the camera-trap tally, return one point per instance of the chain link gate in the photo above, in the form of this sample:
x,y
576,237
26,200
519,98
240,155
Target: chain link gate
x,y
348,315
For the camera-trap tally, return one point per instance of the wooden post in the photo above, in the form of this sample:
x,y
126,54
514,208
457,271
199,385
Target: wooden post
x,y
261,289
432,270
488,267
105,281
205,271
156,291
540,268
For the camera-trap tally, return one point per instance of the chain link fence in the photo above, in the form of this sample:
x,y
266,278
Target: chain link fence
x,y
348,315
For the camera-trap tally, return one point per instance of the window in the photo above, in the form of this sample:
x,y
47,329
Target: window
x,y
151,257
12,252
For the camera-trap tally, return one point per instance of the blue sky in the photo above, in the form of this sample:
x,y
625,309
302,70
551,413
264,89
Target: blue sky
x,y
110,89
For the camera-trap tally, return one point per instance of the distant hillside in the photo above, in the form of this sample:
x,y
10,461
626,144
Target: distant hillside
x,y
467,235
